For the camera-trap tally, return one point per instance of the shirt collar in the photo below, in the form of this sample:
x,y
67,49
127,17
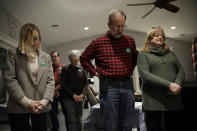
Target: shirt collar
x,y
75,67
111,36
56,66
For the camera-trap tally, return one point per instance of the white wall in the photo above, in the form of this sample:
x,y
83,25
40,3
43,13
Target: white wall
x,y
9,25
9,30
181,49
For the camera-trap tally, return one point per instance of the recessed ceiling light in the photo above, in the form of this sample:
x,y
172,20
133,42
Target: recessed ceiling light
x,y
86,28
173,27
55,25
182,35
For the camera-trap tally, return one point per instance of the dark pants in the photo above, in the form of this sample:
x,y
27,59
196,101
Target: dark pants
x,y
117,104
164,121
21,122
54,112
74,114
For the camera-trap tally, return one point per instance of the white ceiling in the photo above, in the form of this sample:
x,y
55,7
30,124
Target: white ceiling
x,y
73,15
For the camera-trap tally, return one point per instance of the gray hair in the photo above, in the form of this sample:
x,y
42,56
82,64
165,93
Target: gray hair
x,y
114,12
73,54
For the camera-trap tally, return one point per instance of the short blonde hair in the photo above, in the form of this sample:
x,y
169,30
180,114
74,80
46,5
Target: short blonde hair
x,y
73,54
114,12
151,33
25,38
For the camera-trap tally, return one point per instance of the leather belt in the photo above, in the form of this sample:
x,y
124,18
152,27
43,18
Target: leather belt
x,y
117,78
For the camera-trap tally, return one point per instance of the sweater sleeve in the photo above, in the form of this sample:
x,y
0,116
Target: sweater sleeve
x,y
25,101
64,81
180,72
44,102
147,76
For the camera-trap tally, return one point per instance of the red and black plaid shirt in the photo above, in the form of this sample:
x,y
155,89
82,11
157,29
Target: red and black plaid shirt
x,y
194,56
57,71
113,57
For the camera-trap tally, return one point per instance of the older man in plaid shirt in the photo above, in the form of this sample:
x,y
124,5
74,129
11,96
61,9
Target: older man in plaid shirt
x,y
115,57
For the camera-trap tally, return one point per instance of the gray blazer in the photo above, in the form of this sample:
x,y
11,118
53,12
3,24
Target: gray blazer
x,y
19,82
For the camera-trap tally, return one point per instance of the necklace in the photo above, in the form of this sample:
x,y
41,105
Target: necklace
x,y
161,60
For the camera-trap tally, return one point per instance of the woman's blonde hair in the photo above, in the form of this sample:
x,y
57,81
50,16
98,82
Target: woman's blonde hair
x,y
151,33
26,38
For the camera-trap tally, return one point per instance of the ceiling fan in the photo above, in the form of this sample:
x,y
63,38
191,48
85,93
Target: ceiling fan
x,y
160,4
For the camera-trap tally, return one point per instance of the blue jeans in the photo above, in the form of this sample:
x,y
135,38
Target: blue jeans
x,y
117,104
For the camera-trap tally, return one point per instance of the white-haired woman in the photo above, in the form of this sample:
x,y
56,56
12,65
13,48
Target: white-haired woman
x,y
74,82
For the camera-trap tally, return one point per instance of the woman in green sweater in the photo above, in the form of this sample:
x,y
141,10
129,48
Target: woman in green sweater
x,y
162,76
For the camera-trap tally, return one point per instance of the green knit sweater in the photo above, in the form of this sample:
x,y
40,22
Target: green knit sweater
x,y
158,68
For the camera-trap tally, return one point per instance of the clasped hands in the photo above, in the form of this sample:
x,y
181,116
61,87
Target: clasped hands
x,y
174,89
78,98
36,106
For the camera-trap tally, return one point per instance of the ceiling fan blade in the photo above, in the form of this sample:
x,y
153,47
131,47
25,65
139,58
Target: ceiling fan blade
x,y
149,12
140,4
171,8
171,1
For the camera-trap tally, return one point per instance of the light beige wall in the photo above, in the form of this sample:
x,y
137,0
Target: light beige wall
x,y
9,25
64,48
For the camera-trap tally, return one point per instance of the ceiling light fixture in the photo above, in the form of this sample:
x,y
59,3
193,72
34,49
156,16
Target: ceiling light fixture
x,y
55,25
86,28
182,35
173,27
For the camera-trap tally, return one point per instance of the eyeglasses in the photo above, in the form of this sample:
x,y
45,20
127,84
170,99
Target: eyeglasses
x,y
75,60
36,39
157,35
119,26
53,56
